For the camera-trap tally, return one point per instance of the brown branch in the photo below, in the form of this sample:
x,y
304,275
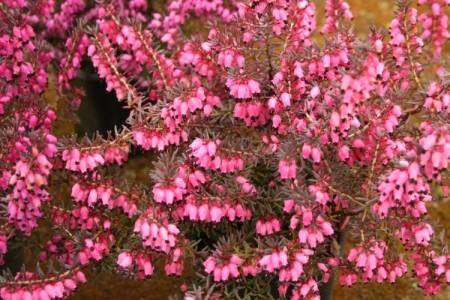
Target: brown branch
x,y
147,47
43,280
154,57
335,190
127,86
408,49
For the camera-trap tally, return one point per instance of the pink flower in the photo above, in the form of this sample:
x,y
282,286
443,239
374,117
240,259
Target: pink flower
x,y
243,88
223,270
348,278
315,91
268,227
288,205
287,169
423,233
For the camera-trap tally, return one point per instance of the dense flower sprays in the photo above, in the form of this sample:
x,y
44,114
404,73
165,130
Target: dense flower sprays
x,y
272,150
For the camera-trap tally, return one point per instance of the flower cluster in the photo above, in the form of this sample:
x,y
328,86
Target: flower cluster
x,y
23,64
157,139
368,260
77,45
105,195
406,189
87,161
431,274
295,270
435,23
95,249
243,88
436,150
29,177
271,226
207,155
35,288
223,269
212,210
63,20
335,9
438,100
161,237
141,261
269,150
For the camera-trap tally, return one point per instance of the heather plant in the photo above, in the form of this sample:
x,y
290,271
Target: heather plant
x,y
289,154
